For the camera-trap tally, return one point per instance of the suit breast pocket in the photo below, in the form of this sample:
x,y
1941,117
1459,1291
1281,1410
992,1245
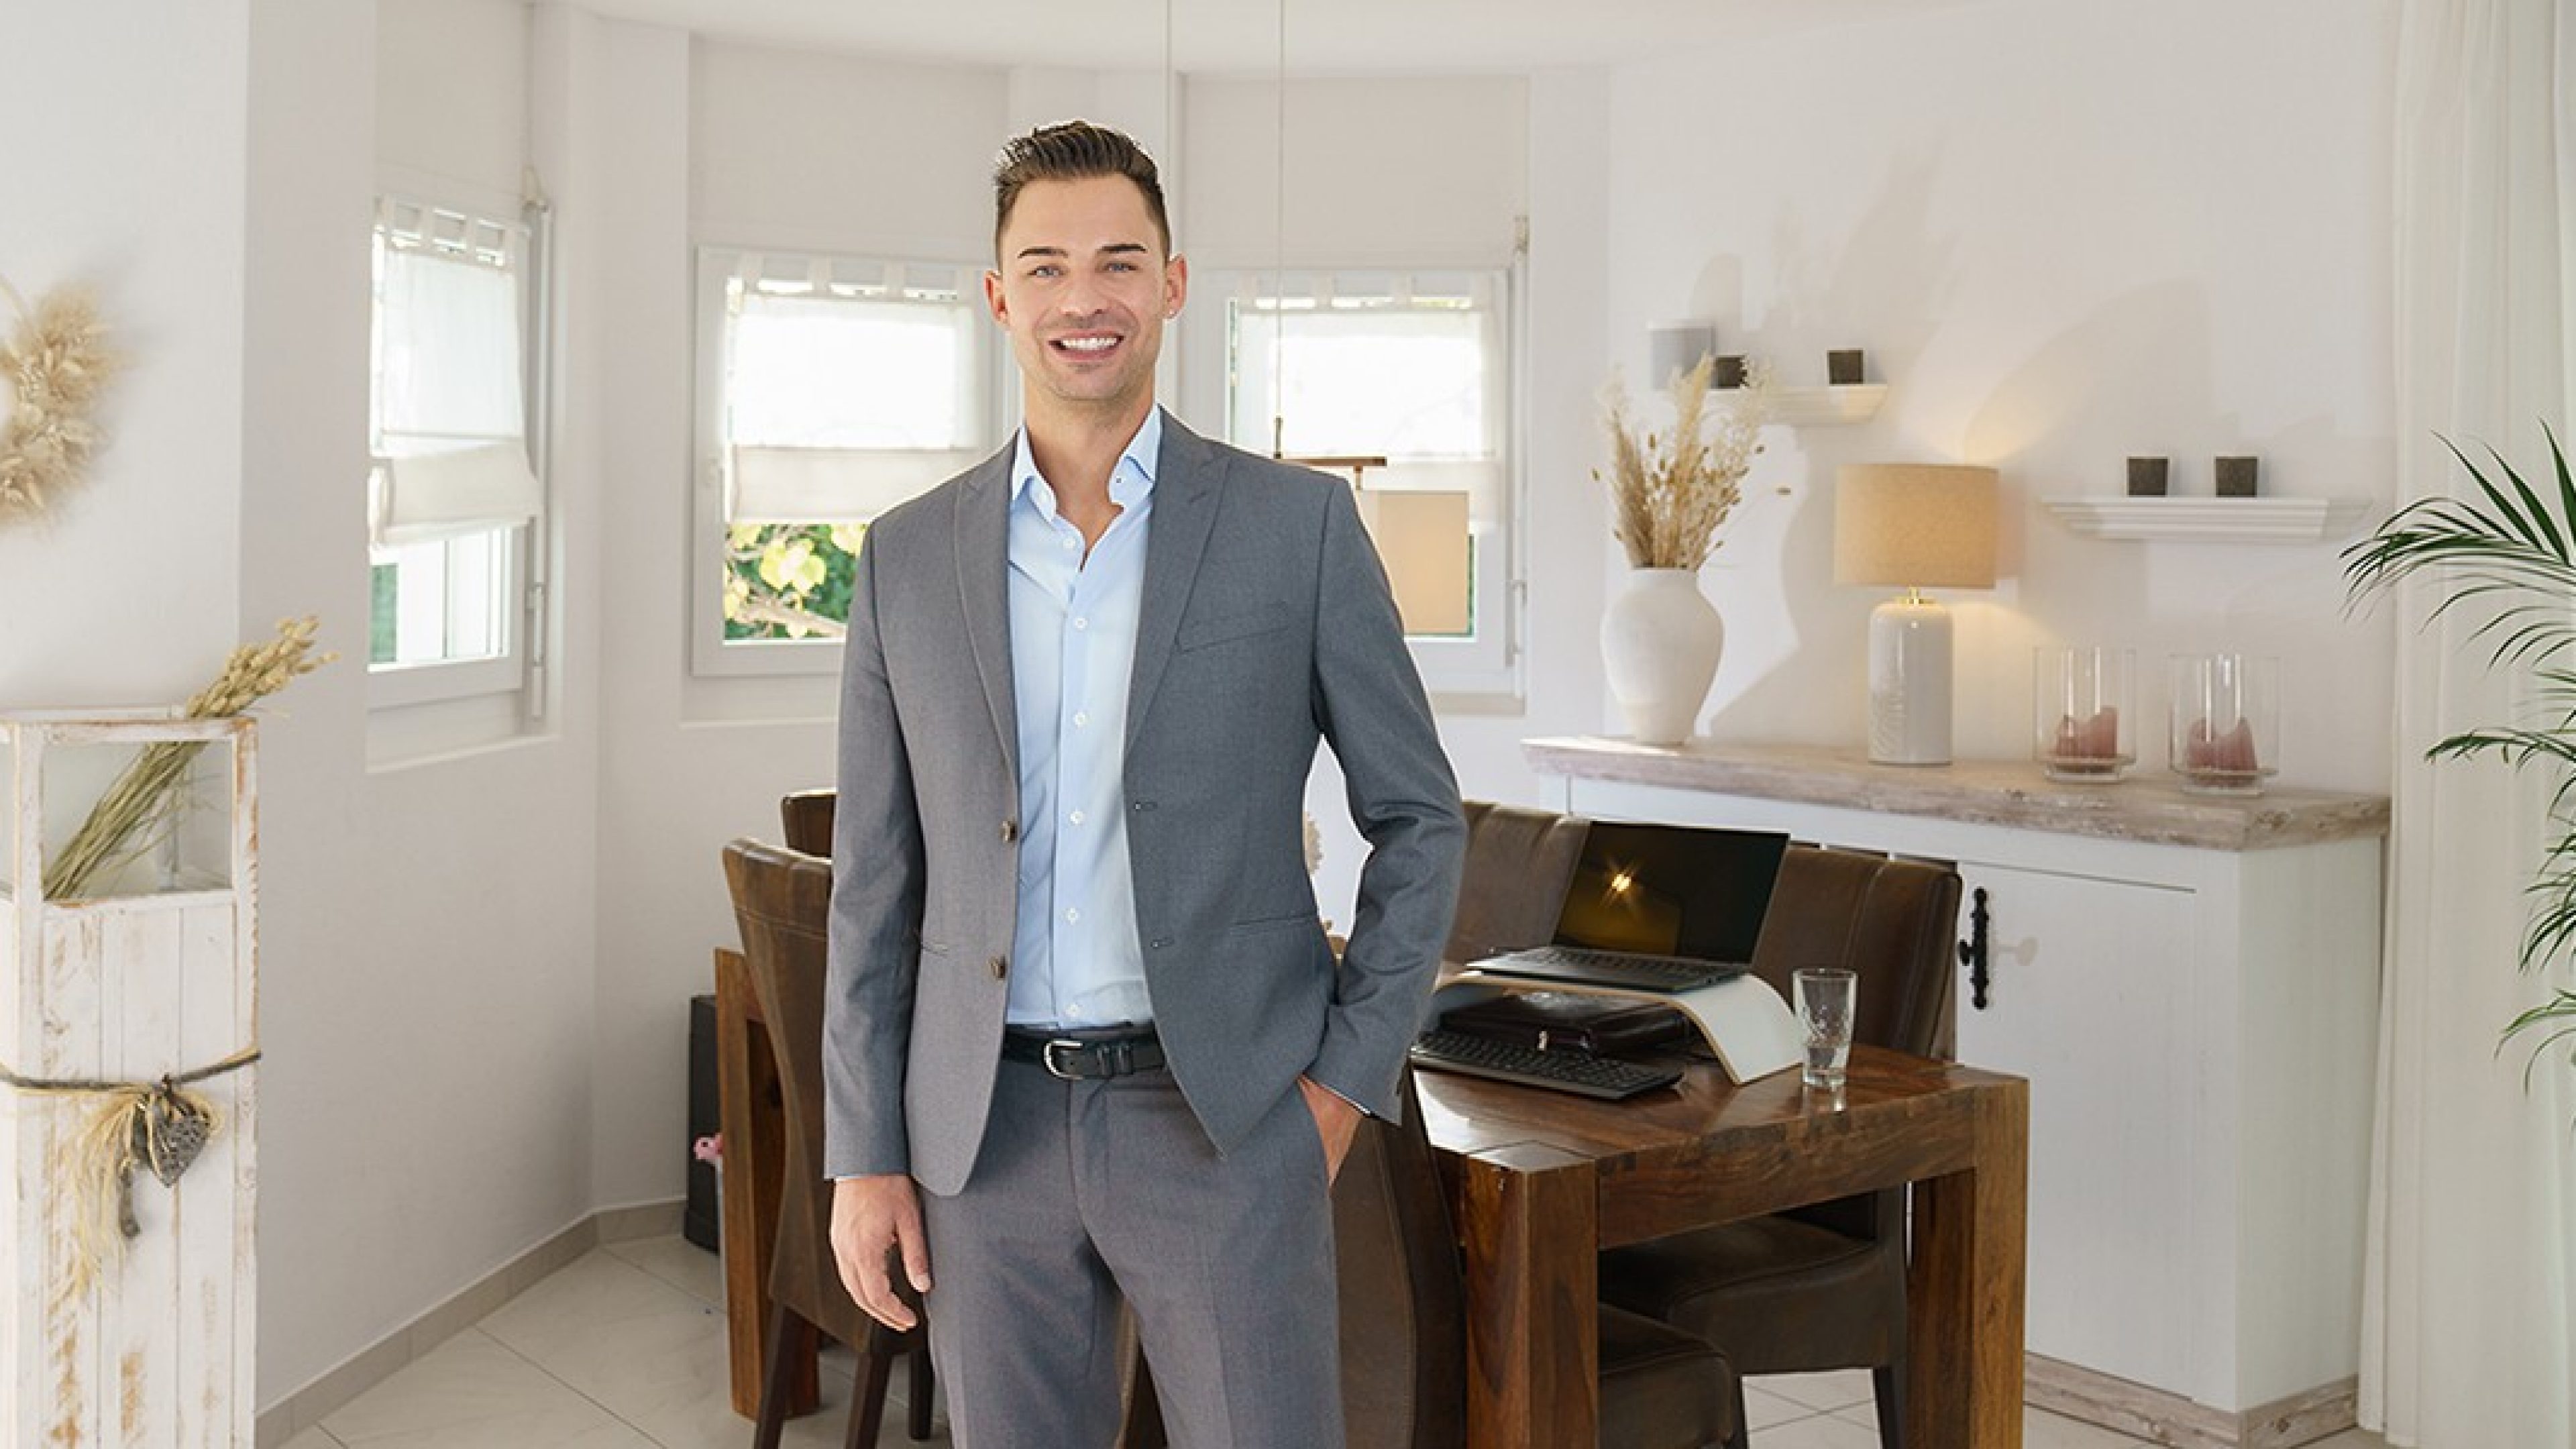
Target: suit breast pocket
x,y
1204,632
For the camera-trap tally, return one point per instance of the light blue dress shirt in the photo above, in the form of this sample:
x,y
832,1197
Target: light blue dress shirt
x,y
1075,959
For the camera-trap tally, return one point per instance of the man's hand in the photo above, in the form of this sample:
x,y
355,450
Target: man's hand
x,y
871,1215
1336,1121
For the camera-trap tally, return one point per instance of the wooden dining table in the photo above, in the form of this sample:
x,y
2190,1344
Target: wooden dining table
x,y
1541,1181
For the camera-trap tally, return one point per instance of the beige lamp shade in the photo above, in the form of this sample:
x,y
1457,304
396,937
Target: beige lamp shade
x,y
1422,539
1915,525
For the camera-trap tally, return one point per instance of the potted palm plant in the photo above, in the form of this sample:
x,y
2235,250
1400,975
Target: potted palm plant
x,y
2511,549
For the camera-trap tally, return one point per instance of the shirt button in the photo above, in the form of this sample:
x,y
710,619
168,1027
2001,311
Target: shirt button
x,y
1000,967
1010,831
1081,623
1074,819
1072,916
1071,543
1080,719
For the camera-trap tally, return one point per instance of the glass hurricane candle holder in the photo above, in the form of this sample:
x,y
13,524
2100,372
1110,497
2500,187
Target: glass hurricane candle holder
x,y
2226,722
2082,726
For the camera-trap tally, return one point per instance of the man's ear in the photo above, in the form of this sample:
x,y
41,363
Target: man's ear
x,y
993,299
1176,285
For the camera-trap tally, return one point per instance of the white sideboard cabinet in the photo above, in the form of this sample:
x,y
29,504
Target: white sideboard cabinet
x,y
2190,984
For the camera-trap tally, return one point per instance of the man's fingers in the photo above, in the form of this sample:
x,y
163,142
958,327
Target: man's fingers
x,y
870,1218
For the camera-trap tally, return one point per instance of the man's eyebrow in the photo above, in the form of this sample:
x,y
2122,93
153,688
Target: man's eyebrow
x,y
1113,249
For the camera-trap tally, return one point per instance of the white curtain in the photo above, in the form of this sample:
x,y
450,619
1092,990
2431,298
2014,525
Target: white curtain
x,y
2472,1237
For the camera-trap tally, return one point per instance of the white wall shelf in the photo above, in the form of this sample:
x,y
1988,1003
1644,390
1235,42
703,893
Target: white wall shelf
x,y
1810,407
2210,520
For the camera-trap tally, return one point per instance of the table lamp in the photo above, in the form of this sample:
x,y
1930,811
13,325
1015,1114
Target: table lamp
x,y
1914,526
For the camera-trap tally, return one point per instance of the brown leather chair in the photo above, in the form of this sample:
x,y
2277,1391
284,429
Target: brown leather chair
x,y
1403,1325
1520,863
1821,1287
781,900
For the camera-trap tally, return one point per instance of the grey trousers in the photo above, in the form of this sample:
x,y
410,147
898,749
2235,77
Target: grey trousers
x,y
1089,1191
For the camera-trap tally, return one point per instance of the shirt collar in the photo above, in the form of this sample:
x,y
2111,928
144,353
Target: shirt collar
x,y
1130,480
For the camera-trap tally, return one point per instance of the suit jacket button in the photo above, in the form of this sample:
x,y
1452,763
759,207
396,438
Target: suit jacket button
x,y
1010,831
1001,966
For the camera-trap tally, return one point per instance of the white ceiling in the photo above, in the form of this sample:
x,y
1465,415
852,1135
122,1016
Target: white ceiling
x,y
1244,35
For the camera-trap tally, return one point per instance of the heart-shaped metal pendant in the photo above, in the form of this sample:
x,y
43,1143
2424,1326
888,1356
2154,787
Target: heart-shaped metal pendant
x,y
173,1130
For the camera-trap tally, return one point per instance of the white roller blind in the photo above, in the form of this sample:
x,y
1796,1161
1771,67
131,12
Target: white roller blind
x,y
450,403
850,386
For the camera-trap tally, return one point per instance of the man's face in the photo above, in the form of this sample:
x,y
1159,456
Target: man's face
x,y
1084,289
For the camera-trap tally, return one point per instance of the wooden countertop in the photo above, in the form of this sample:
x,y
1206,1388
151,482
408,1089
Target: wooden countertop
x,y
2149,806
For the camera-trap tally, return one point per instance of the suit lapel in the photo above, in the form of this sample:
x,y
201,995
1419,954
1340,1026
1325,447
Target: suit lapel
x,y
984,579
1185,500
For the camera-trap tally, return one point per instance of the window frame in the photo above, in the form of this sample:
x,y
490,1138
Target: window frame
x,y
516,672
710,654
1482,671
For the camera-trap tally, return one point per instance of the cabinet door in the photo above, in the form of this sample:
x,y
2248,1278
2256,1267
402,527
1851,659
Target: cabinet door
x,y
2090,1000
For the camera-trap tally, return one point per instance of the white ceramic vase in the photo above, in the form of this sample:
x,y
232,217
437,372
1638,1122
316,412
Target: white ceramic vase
x,y
1660,641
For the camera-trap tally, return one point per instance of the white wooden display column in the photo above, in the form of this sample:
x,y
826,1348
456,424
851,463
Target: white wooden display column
x,y
153,975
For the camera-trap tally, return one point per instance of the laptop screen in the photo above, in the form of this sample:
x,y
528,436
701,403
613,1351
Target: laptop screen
x,y
1671,890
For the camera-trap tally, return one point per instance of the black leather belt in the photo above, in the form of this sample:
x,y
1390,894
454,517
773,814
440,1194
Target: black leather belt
x,y
1077,1056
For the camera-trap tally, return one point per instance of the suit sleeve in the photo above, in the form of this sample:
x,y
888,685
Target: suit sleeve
x,y
876,907
1369,705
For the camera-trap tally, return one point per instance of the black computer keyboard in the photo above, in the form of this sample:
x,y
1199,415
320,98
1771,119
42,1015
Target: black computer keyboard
x,y
1578,1072
1612,968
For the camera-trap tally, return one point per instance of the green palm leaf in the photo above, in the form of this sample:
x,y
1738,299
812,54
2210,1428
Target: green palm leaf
x,y
2512,552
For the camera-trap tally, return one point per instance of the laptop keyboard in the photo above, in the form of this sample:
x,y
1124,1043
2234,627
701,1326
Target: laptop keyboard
x,y
1615,968
1577,1072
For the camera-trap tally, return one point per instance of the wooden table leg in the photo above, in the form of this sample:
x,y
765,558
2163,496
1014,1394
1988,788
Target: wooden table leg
x,y
755,1147
1529,1217
1965,1288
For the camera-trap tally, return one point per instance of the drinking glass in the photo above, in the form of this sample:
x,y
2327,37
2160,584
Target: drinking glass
x,y
1824,1000
2226,736
2082,728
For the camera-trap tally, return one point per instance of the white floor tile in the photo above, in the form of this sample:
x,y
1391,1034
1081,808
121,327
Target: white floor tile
x,y
473,1393
1816,1431
2351,1439
677,1261
578,1303
1762,1408
1837,1390
312,1439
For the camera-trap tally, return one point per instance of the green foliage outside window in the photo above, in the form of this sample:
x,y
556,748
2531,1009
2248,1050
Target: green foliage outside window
x,y
789,580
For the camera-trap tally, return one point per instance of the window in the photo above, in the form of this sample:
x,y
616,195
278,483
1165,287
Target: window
x,y
830,390
1414,369
452,497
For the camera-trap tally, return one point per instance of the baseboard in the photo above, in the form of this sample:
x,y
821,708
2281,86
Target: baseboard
x,y
2168,1418
378,1361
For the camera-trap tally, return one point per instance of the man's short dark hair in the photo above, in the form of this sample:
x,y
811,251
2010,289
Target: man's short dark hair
x,y
1075,151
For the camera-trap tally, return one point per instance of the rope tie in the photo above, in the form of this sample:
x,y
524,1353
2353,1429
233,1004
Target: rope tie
x,y
158,1125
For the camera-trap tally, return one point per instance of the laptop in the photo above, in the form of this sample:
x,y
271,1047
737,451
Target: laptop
x,y
1657,908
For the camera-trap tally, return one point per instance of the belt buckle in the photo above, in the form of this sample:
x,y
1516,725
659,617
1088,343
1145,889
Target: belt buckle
x,y
1047,1058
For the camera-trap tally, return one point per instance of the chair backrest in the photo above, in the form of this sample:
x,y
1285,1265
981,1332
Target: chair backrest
x,y
806,816
1403,1311
1894,922
1519,864
782,903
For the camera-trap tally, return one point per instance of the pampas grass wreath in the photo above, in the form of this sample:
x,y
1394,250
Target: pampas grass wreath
x,y
57,364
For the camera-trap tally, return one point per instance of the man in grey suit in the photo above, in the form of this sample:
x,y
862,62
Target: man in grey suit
x,y
1085,1038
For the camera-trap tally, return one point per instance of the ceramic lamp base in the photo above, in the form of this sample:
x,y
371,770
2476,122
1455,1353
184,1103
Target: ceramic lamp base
x,y
1909,682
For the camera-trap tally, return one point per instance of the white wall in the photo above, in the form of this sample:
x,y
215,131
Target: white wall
x,y
426,928
2065,234
125,175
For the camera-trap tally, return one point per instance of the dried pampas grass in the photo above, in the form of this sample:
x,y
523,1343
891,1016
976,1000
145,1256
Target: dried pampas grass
x,y
143,805
57,363
1672,493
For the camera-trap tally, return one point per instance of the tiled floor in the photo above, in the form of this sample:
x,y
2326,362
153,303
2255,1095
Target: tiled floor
x,y
625,1350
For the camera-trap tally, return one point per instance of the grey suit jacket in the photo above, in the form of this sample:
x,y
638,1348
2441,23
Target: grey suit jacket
x,y
1266,625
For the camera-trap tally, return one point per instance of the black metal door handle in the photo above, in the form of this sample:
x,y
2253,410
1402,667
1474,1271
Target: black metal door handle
x,y
1972,951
